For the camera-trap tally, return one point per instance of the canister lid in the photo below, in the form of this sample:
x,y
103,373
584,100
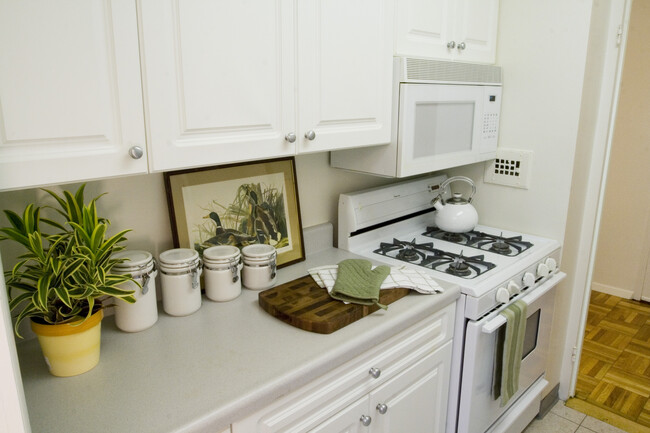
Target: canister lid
x,y
178,257
135,259
221,253
258,251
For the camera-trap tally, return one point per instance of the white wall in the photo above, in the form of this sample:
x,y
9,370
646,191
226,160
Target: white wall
x,y
139,202
542,48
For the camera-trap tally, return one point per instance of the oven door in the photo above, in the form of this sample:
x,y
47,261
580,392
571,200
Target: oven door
x,y
480,404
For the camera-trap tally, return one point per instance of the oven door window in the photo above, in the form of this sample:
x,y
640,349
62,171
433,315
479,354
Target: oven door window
x,y
532,331
530,343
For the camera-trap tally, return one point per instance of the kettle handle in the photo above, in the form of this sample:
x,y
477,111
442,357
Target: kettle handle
x,y
445,184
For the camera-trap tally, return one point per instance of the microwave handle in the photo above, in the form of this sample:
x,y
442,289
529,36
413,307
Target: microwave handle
x,y
529,299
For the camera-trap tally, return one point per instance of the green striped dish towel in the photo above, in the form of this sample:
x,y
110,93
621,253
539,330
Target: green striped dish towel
x,y
513,347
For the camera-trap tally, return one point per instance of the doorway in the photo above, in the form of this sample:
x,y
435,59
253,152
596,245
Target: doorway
x,y
614,371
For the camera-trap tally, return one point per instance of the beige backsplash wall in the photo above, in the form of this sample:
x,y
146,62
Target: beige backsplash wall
x,y
623,247
140,203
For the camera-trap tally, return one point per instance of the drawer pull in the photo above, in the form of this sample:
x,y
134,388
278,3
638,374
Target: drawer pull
x,y
375,372
382,408
365,420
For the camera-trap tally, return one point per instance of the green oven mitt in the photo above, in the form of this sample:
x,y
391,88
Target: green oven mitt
x,y
356,282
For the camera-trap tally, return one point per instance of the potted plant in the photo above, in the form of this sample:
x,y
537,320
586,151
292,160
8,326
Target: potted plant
x,y
61,279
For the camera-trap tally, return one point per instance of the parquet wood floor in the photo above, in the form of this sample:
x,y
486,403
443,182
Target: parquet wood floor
x,y
614,371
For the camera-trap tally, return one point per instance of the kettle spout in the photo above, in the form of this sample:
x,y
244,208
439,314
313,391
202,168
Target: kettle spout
x,y
437,203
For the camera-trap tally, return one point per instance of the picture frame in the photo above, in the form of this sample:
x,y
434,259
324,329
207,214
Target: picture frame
x,y
237,204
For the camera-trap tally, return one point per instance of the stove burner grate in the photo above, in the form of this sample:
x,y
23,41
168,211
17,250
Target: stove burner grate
x,y
507,246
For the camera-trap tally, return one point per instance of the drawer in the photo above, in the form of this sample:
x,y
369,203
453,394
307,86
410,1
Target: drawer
x,y
327,395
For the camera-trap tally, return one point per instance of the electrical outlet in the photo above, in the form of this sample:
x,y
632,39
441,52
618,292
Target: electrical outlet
x,y
511,167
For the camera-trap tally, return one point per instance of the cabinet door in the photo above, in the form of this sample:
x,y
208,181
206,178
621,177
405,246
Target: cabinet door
x,y
416,400
424,28
218,79
70,91
344,73
346,421
477,29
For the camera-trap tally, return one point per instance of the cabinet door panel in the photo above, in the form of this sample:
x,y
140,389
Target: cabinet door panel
x,y
70,91
344,73
218,80
424,27
477,27
416,399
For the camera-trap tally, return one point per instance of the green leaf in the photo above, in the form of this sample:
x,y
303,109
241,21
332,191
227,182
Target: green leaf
x,y
97,237
15,220
114,291
43,291
54,224
29,311
62,293
18,299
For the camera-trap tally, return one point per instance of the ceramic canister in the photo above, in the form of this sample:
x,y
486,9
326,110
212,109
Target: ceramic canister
x,y
180,270
259,271
221,271
144,313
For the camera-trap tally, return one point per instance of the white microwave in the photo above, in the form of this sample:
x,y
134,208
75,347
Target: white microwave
x,y
445,114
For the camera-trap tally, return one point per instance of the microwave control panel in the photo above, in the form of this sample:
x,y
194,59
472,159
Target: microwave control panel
x,y
491,109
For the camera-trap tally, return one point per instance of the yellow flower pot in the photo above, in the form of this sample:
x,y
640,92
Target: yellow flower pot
x,y
71,348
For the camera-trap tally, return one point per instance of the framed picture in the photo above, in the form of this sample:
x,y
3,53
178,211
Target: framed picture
x,y
237,205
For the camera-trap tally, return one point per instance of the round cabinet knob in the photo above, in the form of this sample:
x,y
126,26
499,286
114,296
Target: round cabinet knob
x,y
136,152
365,420
375,372
310,135
513,287
451,44
551,263
528,279
382,408
543,270
290,137
503,295
461,46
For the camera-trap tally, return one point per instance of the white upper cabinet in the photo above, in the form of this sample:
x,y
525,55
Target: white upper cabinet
x,y
464,30
235,81
218,80
70,92
344,73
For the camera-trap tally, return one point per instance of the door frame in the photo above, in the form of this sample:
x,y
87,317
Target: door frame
x,y
591,213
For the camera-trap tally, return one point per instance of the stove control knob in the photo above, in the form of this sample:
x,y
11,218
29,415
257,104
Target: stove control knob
x,y
528,279
551,263
513,288
543,270
503,295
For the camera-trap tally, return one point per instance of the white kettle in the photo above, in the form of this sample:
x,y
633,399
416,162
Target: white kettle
x,y
455,215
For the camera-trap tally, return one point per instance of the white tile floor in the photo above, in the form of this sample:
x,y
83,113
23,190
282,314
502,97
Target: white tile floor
x,y
562,419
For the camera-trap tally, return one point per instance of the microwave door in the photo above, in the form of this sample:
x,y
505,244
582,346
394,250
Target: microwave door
x,y
438,126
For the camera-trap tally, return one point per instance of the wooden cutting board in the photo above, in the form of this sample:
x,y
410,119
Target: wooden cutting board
x,y
301,303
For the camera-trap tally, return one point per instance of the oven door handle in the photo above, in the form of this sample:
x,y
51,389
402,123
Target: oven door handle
x,y
529,299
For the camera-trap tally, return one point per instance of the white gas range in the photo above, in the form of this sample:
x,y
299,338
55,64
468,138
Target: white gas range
x,y
493,267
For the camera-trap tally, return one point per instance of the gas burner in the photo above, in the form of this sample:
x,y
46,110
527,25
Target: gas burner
x,y
404,250
453,237
457,238
458,268
500,247
457,264
506,246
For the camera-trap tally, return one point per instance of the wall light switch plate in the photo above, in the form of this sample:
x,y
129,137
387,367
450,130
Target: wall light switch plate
x,y
511,167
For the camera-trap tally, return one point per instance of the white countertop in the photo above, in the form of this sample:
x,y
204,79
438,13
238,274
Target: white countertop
x,y
204,371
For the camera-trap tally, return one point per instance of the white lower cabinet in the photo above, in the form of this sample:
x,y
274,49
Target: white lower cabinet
x,y
401,385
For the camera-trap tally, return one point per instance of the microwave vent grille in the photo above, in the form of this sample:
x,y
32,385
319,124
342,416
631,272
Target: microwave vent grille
x,y
441,71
